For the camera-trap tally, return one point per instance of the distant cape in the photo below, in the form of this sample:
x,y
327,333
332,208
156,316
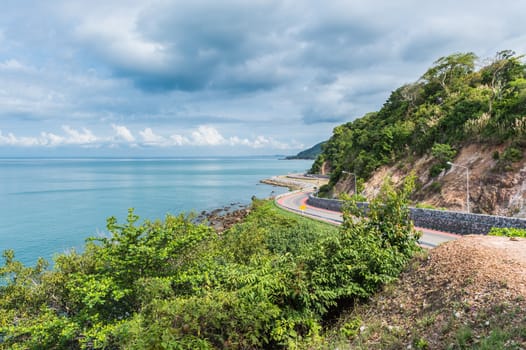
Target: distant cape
x,y
310,153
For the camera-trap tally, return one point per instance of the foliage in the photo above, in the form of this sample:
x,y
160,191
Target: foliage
x,y
355,197
507,232
323,191
512,154
436,169
443,152
270,281
450,105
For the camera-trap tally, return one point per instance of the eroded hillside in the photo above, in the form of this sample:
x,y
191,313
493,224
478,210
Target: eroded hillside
x,y
493,190
475,119
466,294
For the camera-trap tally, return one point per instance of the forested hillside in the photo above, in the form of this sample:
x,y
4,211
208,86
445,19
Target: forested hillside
x,y
310,153
452,105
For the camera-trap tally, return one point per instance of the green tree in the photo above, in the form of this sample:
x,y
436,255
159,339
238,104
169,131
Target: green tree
x,y
449,72
443,152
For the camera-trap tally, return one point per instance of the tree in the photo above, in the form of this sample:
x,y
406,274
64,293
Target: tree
x,y
449,71
503,69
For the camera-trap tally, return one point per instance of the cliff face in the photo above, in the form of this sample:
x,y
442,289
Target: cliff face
x,y
493,189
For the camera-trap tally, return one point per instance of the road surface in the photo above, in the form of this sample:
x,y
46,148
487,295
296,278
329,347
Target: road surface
x,y
294,201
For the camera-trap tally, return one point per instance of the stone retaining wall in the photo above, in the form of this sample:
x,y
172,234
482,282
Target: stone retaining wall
x,y
442,220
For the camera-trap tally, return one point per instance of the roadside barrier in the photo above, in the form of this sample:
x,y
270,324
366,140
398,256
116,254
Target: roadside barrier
x,y
442,220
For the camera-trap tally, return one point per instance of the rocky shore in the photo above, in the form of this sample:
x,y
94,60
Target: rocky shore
x,y
224,218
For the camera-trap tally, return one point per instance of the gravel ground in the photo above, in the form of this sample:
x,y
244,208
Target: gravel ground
x,y
464,294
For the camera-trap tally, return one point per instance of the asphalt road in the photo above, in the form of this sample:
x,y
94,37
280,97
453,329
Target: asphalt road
x,y
296,202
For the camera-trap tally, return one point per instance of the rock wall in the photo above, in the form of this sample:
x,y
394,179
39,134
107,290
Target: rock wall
x,y
442,220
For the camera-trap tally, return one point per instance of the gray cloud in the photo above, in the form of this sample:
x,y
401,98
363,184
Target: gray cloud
x,y
317,116
258,68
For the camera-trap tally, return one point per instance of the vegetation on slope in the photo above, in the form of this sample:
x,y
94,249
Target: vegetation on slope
x,y
450,105
269,282
310,153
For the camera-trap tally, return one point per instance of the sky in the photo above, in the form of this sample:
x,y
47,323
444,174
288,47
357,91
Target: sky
x,y
227,77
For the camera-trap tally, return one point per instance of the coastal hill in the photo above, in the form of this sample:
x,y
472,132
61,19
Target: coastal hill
x,y
310,153
455,113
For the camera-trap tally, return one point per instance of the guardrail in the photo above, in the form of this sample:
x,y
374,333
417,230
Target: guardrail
x,y
443,220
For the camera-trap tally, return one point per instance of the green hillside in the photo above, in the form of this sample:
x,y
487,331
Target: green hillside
x,y
451,105
310,153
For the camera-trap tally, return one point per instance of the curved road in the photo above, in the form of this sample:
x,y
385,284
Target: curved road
x,y
294,200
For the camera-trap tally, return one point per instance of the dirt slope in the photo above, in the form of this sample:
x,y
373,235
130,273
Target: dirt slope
x,y
468,293
493,190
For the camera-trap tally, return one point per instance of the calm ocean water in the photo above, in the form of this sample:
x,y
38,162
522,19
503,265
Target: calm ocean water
x,y
48,206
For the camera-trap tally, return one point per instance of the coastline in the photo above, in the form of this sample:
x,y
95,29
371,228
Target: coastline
x,y
295,182
223,218
51,206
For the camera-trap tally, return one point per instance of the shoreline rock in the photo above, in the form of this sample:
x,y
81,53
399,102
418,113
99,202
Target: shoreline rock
x,y
222,219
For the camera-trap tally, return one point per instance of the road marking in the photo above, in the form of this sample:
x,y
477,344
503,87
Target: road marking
x,y
430,239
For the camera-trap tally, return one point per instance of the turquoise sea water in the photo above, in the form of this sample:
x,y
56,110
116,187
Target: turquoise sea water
x,y
48,206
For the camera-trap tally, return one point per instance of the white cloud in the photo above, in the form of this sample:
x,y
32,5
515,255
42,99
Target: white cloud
x,y
50,139
207,136
111,30
76,137
203,136
71,137
151,138
123,133
178,140
12,65
11,140
262,142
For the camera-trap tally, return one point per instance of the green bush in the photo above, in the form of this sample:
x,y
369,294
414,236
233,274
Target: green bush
x,y
443,152
512,154
507,232
268,282
436,186
436,169
496,155
323,191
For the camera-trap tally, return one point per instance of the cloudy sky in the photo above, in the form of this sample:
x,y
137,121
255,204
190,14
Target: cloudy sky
x,y
227,77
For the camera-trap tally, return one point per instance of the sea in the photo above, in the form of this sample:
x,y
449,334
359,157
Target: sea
x,y
50,206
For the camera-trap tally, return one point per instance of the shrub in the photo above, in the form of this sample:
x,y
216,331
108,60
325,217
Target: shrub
x,y
507,232
512,154
436,169
443,152
323,191
496,155
436,186
267,282
509,156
